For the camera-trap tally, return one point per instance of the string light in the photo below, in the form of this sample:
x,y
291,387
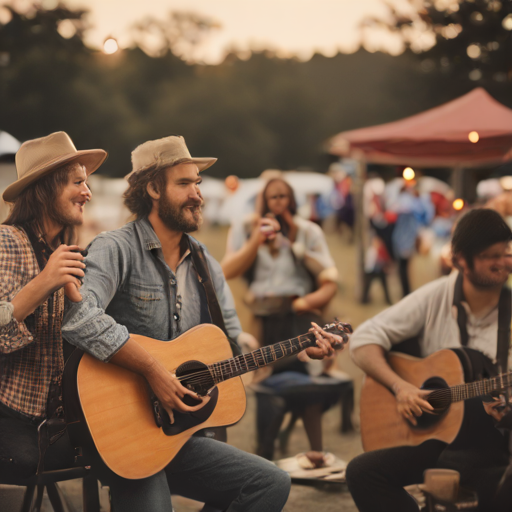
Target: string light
x,y
458,204
473,137
110,46
408,174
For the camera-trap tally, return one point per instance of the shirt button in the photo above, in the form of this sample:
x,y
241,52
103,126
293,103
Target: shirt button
x,y
173,282
176,317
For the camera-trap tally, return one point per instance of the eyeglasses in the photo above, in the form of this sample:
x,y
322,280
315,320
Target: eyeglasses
x,y
279,196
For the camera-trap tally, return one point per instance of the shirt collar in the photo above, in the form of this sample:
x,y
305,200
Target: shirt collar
x,y
147,234
151,240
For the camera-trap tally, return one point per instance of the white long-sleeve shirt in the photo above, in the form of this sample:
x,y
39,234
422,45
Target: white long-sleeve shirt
x,y
430,314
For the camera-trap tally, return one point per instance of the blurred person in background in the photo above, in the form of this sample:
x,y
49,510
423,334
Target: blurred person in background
x,y
292,279
462,311
413,211
376,265
154,258
39,260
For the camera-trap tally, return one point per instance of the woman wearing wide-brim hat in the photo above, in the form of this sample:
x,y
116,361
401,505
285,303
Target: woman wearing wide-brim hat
x,y
37,260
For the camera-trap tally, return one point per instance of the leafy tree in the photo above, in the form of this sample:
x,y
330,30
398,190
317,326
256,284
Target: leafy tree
x,y
472,42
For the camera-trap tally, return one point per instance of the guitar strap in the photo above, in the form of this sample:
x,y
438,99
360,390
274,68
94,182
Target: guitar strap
x,y
203,274
504,320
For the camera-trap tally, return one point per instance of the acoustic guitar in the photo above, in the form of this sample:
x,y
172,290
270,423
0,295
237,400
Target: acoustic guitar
x,y
383,427
131,430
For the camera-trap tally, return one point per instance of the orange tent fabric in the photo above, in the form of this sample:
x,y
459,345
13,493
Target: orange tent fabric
x,y
438,137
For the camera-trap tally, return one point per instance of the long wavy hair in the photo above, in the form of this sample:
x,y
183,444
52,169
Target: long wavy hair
x,y
37,203
292,206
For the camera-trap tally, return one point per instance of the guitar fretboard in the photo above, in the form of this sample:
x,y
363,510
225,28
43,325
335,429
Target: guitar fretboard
x,y
479,388
229,368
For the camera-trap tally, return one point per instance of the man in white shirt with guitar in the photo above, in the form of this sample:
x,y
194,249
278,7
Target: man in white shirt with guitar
x,y
460,310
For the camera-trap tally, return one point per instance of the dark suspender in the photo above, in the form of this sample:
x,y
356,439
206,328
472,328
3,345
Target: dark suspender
x,y
203,273
504,319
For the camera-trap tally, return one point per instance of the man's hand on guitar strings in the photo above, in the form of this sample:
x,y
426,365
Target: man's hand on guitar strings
x,y
410,400
497,408
171,392
326,343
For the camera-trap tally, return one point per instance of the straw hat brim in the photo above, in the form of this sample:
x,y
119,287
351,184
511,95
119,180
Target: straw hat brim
x,y
202,164
91,159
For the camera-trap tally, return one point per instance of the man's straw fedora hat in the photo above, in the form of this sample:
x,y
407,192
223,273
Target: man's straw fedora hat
x,y
38,157
166,152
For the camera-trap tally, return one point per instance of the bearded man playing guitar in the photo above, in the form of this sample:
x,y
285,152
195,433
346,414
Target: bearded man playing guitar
x,y
482,255
142,279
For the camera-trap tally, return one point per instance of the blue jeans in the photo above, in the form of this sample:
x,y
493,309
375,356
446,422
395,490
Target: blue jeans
x,y
208,471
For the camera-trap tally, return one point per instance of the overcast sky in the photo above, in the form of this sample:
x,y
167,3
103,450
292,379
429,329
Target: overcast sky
x,y
290,26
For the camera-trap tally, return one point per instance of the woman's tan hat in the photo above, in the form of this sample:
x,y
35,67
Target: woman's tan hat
x,y
38,157
164,153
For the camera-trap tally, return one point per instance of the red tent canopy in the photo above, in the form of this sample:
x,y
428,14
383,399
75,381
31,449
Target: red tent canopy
x,y
438,137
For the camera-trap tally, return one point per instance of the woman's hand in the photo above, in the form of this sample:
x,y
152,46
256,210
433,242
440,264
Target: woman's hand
x,y
64,266
267,229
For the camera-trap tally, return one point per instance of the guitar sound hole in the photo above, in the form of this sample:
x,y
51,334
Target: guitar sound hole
x,y
439,399
195,376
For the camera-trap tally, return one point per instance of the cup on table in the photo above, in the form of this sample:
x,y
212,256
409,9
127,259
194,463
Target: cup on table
x,y
443,484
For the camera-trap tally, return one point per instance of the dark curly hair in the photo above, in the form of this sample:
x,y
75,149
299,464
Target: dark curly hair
x,y
136,198
476,231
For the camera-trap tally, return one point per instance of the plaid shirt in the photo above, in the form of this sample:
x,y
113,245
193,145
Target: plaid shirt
x,y
31,355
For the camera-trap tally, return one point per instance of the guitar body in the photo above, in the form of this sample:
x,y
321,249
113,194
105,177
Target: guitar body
x,y
118,410
381,424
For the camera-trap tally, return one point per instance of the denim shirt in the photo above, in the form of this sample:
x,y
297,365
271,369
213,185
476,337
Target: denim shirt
x,y
129,288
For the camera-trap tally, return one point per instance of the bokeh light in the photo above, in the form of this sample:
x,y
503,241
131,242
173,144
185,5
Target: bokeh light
x,y
408,174
473,137
5,15
506,183
507,22
474,51
458,204
110,46
66,29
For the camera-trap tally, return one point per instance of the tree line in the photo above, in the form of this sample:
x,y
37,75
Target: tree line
x,y
252,113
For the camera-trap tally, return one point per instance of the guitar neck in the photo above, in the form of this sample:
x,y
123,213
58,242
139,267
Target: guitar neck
x,y
236,366
481,387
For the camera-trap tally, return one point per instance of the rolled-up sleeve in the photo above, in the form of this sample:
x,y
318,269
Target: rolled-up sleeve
x,y
225,297
14,335
401,321
86,325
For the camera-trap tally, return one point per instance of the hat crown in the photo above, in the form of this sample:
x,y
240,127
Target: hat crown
x,y
162,153
38,153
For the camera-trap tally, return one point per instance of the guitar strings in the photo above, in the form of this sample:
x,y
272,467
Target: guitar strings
x,y
204,376
207,375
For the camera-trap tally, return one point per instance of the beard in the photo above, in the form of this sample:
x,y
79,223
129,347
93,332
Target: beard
x,y
482,281
174,216
64,218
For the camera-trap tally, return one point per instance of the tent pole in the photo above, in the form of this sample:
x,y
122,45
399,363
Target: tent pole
x,y
457,182
361,224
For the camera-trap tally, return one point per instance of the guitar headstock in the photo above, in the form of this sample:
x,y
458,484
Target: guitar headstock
x,y
340,328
